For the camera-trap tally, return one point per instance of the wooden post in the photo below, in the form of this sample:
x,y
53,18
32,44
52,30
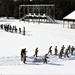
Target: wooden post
x,y
73,22
68,24
39,13
28,13
63,23
19,13
33,14
24,12
54,13
46,13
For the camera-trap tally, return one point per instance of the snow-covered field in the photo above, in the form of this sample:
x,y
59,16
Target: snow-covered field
x,y
43,36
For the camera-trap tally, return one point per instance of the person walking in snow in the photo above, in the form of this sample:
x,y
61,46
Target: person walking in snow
x,y
24,58
56,51
61,52
69,48
45,59
15,29
23,53
36,52
66,53
1,26
72,50
19,30
50,50
23,30
63,47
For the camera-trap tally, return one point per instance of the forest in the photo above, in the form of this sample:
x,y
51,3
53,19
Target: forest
x,y
10,8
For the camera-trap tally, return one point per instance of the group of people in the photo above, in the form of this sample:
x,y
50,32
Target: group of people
x,y
12,29
64,52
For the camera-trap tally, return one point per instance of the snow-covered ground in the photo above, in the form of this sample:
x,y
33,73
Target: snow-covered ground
x,y
43,36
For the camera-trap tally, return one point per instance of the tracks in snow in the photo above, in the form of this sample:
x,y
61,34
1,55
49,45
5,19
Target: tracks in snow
x,y
16,61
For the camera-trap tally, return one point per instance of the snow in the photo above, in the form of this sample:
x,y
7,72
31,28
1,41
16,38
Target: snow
x,y
41,35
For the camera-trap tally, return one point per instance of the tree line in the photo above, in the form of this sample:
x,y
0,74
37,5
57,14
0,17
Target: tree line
x,y
10,8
